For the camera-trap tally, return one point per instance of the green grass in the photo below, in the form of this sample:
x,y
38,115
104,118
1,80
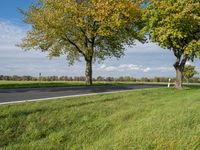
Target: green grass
x,y
43,84
162,119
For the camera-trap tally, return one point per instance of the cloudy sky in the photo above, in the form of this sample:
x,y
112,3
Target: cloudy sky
x,y
141,60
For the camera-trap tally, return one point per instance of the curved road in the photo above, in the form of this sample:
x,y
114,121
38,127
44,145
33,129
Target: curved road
x,y
14,95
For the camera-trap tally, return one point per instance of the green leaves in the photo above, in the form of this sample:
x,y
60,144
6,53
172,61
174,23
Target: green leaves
x,y
175,25
98,28
189,71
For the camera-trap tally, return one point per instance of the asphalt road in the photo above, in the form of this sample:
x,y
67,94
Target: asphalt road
x,y
13,95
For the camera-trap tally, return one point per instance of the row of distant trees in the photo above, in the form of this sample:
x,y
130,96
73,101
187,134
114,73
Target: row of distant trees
x,y
99,78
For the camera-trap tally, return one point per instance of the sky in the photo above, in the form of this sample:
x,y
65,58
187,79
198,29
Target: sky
x,y
141,60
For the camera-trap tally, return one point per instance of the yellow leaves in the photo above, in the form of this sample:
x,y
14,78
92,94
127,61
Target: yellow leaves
x,y
104,32
108,14
193,47
86,22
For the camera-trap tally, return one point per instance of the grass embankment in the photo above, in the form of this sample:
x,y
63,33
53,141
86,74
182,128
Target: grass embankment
x,y
44,84
149,119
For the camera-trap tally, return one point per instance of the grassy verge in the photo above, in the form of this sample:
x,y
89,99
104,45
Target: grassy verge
x,y
148,120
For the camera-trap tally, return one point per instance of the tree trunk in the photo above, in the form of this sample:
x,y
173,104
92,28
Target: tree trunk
x,y
179,66
88,72
179,77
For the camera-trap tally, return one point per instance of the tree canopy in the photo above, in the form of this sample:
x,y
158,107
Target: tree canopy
x,y
92,29
175,25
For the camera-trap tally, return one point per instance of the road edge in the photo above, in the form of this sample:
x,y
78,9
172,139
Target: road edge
x,y
71,96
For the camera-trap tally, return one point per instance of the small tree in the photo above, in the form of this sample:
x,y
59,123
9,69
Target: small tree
x,y
189,72
175,25
91,29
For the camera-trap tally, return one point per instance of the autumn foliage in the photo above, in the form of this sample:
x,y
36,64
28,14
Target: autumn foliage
x,y
91,29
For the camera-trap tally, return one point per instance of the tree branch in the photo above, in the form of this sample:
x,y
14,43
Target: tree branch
x,y
93,40
85,35
74,44
184,60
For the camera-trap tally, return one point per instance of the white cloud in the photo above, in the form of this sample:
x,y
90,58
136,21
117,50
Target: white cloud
x,y
10,36
146,69
123,67
131,67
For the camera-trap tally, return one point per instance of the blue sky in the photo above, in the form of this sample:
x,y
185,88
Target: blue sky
x,y
8,9
142,60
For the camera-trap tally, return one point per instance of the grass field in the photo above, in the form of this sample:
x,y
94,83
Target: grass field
x,y
162,119
42,84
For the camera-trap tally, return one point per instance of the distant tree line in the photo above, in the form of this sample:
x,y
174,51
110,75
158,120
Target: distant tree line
x,y
99,78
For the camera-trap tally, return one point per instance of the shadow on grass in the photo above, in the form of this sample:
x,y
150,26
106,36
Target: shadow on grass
x,y
94,102
190,87
16,114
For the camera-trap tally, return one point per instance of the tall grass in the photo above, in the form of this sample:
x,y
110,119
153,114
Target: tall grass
x,y
147,120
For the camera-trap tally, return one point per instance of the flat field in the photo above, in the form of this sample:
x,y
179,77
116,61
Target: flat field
x,y
44,84
37,84
142,120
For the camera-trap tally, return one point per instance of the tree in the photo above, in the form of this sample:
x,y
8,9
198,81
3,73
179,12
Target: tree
x,y
189,72
175,25
88,29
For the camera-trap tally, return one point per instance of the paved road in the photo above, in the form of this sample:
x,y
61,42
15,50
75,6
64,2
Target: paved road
x,y
13,95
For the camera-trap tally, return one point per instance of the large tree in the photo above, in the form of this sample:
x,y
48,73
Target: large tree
x,y
175,25
88,29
